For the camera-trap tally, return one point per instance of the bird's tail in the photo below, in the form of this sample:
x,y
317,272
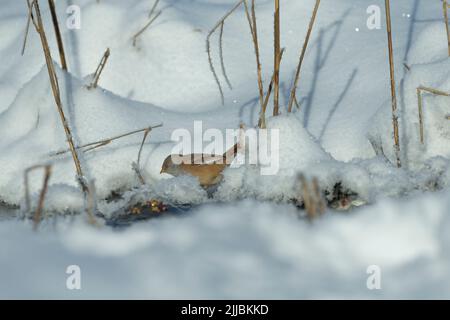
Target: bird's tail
x,y
231,153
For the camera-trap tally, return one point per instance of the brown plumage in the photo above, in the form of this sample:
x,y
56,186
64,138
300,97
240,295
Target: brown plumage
x,y
207,168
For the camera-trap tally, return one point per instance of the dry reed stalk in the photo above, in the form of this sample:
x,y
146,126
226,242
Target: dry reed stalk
x,y
145,28
312,199
446,7
55,89
137,165
91,204
420,105
254,31
99,70
256,44
27,28
306,196
276,57
27,187
321,205
297,105
62,55
222,63
392,76
292,98
105,142
152,10
47,173
38,213
218,25
262,118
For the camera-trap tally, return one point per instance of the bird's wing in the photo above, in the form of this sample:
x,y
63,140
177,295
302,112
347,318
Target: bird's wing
x,y
201,158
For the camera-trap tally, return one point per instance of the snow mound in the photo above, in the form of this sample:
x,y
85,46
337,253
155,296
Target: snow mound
x,y
297,151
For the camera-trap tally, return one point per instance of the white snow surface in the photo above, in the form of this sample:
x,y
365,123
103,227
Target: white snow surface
x,y
247,240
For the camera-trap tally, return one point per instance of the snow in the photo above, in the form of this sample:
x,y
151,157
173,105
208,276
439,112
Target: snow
x,y
246,249
247,239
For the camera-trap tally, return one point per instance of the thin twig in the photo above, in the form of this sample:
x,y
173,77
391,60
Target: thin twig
x,y
308,201
446,7
47,174
393,93
27,187
152,11
145,28
92,204
30,11
296,102
262,118
302,56
420,105
222,63
104,142
254,32
321,206
27,28
312,198
276,56
59,40
97,146
99,70
208,47
137,167
38,213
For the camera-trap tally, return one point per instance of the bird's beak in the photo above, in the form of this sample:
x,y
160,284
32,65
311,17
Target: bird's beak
x,y
162,171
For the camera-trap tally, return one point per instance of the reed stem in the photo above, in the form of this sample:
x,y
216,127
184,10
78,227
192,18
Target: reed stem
x,y
62,55
420,106
99,70
393,92
38,213
447,28
55,89
292,98
276,56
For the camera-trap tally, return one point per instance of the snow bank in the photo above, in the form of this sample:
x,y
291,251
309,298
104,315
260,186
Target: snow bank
x,y
432,70
31,133
98,114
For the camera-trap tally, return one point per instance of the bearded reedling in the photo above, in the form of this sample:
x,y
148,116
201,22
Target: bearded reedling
x,y
207,168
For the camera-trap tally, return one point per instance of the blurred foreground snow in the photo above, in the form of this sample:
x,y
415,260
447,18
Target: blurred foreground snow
x,y
242,250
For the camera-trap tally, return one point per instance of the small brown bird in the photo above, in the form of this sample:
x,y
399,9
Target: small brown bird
x,y
207,168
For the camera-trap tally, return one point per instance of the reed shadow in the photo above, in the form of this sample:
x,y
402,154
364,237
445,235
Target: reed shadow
x,y
338,102
321,59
